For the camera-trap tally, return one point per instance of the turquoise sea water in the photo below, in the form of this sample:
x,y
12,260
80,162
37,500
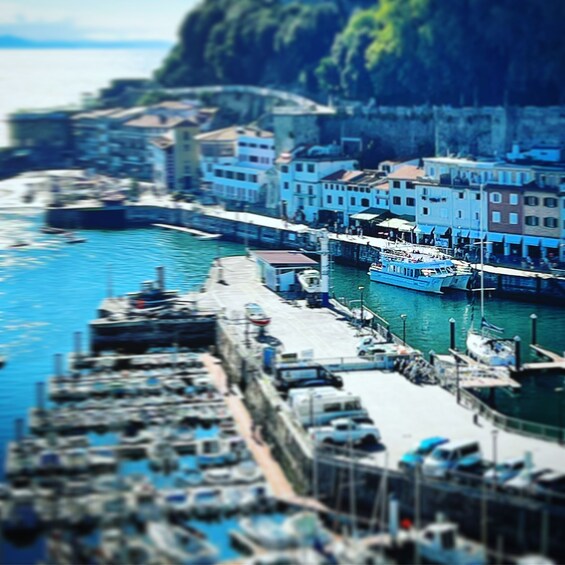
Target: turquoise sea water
x,y
51,289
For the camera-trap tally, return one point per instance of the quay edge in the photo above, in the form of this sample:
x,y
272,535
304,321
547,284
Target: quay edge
x,y
264,231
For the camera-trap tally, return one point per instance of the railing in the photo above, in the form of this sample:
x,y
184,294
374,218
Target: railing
x,y
507,423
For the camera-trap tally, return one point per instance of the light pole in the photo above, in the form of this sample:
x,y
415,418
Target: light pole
x,y
361,289
495,454
403,316
559,390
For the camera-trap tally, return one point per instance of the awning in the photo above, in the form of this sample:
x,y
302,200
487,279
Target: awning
x,y
512,238
531,240
548,242
426,230
463,233
367,215
473,234
396,224
441,231
495,237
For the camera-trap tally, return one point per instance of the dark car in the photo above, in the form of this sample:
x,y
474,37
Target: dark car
x,y
284,385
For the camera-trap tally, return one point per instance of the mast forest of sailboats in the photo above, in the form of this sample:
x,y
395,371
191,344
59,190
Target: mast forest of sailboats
x,y
486,345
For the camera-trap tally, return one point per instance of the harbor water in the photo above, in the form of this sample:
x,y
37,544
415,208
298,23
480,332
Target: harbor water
x,y
50,290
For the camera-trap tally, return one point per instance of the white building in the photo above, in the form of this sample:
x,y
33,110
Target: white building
x,y
244,179
301,172
402,189
345,193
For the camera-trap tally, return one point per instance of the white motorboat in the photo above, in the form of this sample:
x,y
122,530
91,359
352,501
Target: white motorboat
x,y
162,456
423,273
310,281
441,543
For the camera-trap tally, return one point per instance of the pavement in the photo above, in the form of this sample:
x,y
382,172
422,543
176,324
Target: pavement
x,y
406,413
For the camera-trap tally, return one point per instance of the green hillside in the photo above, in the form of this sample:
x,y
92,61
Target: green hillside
x,y
396,51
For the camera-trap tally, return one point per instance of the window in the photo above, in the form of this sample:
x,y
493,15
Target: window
x,y
461,195
340,200
240,176
513,218
352,201
532,200
550,222
329,201
299,167
395,184
478,196
425,211
496,217
284,169
253,178
229,174
532,220
242,144
310,167
285,185
253,158
310,190
459,214
409,184
513,199
298,188
410,202
496,197
396,200
364,202
550,202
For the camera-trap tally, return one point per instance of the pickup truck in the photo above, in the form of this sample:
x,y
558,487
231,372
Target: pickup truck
x,y
344,431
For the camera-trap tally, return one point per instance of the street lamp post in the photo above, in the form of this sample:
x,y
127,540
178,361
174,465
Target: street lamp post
x,y
361,289
495,453
559,391
403,316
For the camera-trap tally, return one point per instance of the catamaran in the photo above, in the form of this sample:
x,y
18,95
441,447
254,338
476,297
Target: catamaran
x,y
485,345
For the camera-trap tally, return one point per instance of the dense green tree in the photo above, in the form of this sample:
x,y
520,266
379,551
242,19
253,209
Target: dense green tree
x,y
397,51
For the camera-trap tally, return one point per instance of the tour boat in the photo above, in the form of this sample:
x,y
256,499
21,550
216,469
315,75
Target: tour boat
x,y
406,271
256,315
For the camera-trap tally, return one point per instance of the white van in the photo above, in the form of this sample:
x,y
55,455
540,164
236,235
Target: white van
x,y
322,405
451,457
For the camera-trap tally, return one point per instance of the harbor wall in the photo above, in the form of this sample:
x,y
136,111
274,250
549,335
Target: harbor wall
x,y
238,229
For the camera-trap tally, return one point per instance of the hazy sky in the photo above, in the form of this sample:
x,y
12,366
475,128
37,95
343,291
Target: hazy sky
x,y
93,19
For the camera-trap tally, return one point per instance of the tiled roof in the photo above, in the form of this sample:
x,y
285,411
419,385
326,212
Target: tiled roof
x,y
344,176
232,133
284,258
155,121
407,172
163,142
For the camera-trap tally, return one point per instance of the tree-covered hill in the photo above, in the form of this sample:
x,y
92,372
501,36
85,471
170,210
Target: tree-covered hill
x,y
396,51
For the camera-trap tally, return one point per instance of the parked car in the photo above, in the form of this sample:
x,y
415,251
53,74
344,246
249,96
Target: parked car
x,y
524,481
550,483
415,457
284,385
505,471
451,457
345,430
368,346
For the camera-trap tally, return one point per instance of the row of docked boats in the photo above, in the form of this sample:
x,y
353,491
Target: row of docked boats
x,y
420,271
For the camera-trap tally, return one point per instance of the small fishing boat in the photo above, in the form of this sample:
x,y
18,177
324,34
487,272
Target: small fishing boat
x,y
256,315
73,238
247,472
221,475
19,244
162,456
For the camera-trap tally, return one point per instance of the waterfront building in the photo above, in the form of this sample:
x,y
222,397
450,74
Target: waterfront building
x,y
505,215
401,184
216,147
302,172
244,179
174,157
46,136
348,193
118,141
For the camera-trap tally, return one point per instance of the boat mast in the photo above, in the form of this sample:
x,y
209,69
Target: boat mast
x,y
482,258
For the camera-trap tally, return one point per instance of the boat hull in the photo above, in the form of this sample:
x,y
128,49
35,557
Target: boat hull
x,y
423,284
484,350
